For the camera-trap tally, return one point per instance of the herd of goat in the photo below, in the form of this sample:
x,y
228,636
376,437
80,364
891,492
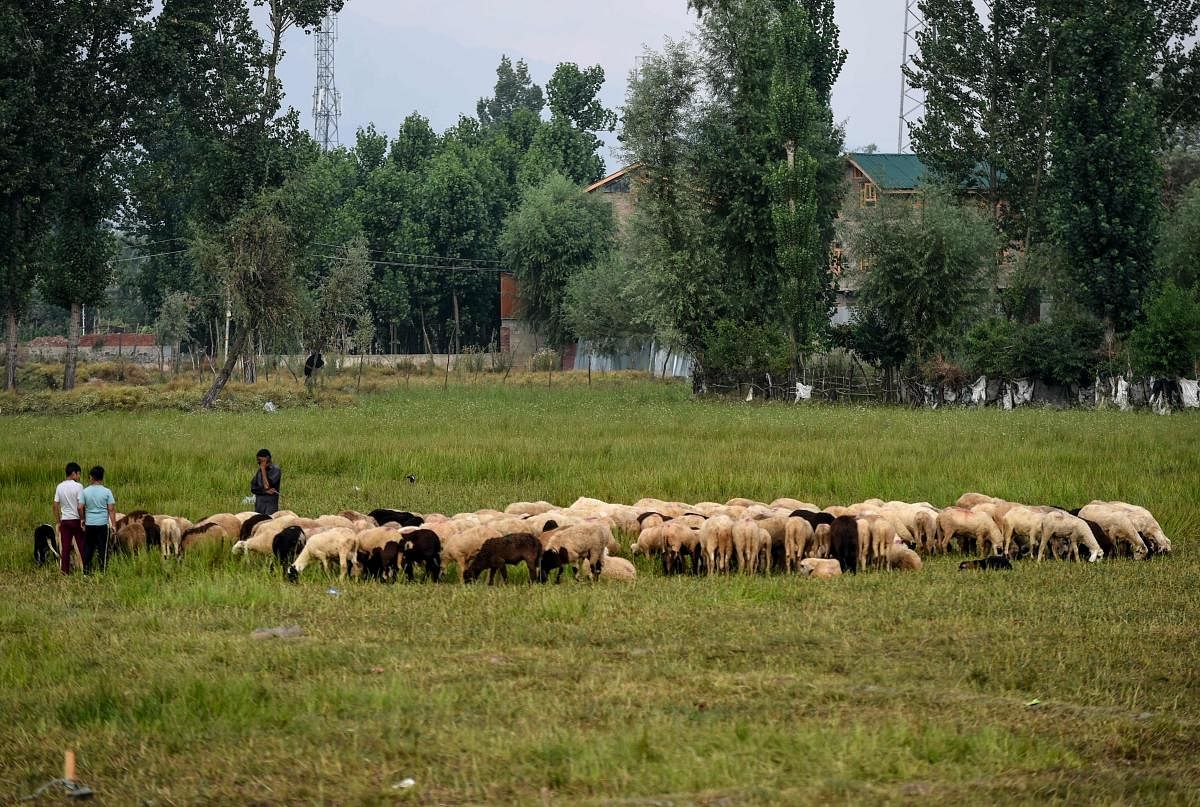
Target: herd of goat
x,y
786,535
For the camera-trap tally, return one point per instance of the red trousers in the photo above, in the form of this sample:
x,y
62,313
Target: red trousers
x,y
69,530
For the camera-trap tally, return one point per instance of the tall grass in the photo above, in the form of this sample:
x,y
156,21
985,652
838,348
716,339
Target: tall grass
x,y
771,690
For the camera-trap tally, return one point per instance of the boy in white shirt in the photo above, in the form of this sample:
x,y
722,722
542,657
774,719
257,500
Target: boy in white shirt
x,y
67,515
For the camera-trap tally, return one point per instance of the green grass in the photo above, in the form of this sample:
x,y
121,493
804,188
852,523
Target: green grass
x,y
880,688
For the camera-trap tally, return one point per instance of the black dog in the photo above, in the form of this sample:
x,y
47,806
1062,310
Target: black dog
x,y
45,544
992,564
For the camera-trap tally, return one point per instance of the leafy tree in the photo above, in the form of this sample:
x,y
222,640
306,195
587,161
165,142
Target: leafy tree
x,y
415,144
514,90
1105,173
64,72
174,323
937,257
557,232
572,92
1179,248
1167,342
568,145
600,305
340,304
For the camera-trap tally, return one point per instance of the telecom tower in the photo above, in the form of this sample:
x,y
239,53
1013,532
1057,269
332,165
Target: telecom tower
x,y
327,101
912,101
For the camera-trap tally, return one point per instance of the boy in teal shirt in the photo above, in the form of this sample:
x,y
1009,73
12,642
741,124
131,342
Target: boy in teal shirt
x,y
99,516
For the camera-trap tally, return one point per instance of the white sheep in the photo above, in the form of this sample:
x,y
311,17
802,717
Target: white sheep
x,y
336,542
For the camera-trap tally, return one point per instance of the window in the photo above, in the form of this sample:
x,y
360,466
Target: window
x,y
870,194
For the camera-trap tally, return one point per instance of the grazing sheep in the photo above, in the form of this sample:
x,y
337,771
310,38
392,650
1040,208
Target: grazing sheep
x,y
171,536
617,569
460,547
497,554
1022,530
716,538
650,541
821,568
529,508
1102,539
683,543
585,543
901,558
785,503
45,544
404,518
750,542
381,563
1157,543
421,545
843,542
1118,525
135,532
339,543
798,536
249,524
819,548
974,531
875,535
287,544
1058,524
991,563
969,500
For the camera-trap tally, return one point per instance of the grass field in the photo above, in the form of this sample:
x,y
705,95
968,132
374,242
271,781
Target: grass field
x,y
879,688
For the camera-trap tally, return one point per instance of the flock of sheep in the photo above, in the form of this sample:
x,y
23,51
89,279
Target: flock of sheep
x,y
786,535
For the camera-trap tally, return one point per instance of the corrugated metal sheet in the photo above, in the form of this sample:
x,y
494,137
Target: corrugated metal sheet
x,y
649,357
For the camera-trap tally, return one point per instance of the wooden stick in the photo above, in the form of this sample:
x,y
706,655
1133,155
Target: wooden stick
x,y
69,765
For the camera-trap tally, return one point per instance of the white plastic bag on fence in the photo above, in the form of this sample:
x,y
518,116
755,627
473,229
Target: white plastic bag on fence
x,y
1189,390
979,391
1122,396
750,394
803,392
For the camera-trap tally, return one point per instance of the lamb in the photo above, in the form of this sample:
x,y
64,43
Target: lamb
x,y
716,538
1118,526
971,528
421,545
381,563
337,542
901,558
1058,524
585,545
404,518
136,531
821,568
750,542
843,542
497,554
615,568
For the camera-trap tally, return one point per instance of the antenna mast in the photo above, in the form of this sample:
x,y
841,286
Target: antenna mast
x,y
912,101
327,101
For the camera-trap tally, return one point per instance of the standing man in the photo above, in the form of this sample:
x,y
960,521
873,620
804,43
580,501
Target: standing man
x,y
99,516
265,484
66,514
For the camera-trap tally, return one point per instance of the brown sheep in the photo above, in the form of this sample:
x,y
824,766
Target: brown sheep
x,y
497,554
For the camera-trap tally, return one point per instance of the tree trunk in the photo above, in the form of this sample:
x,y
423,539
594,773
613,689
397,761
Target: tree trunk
x,y
10,375
222,378
425,334
72,347
457,337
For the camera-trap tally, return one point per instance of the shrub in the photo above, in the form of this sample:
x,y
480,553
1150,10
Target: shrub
x,y
736,352
546,360
1167,342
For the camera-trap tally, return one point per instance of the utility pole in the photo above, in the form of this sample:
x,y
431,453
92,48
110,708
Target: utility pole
x,y
327,101
912,101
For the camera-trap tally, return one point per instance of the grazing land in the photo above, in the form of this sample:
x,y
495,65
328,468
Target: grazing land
x,y
1056,682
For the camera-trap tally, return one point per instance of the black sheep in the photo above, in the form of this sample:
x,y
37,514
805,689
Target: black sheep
x,y
286,545
402,517
422,546
45,544
843,542
553,559
249,524
382,563
497,554
988,564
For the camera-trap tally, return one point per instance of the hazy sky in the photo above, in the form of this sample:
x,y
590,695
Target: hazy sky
x,y
394,57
